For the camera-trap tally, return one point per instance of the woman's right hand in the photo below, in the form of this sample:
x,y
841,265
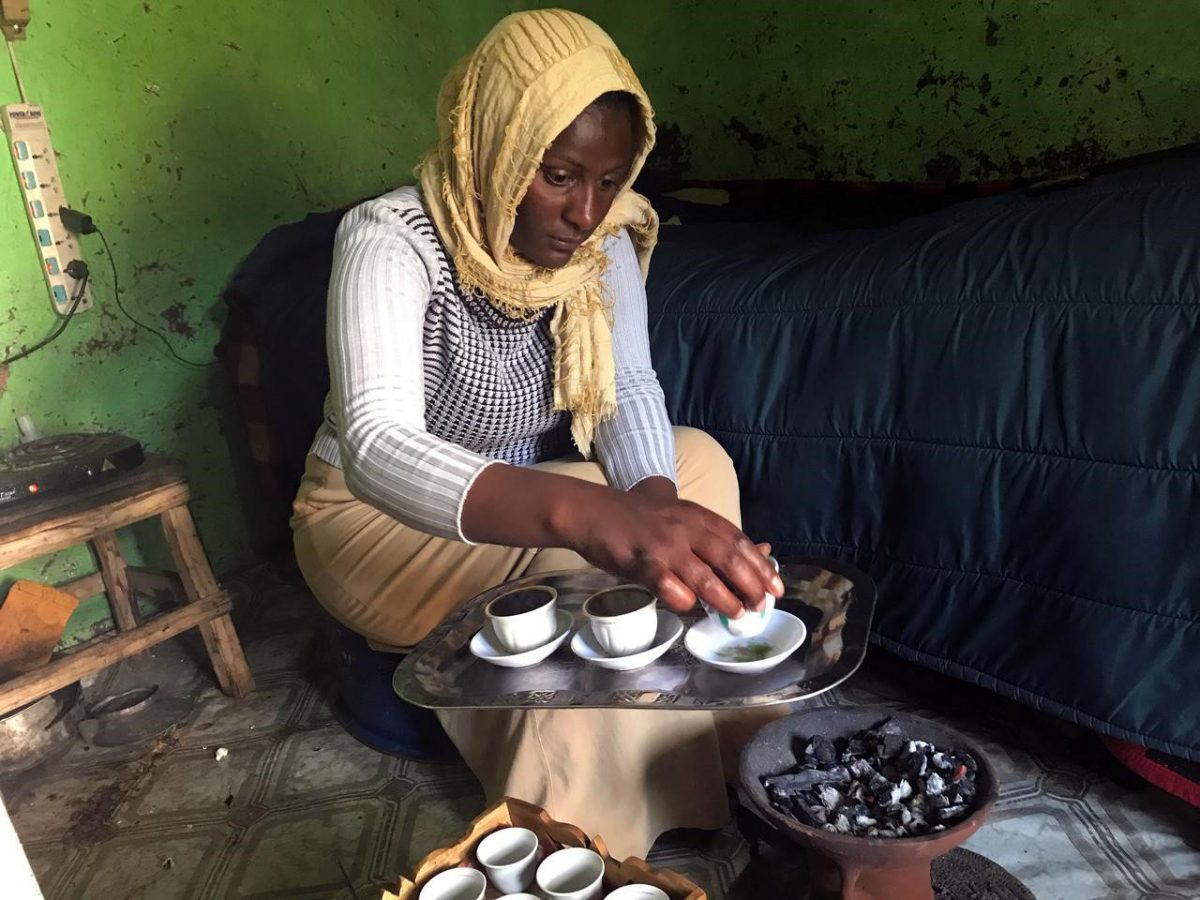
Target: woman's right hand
x,y
679,550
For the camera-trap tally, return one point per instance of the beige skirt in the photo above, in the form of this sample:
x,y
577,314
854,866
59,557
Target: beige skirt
x,y
627,775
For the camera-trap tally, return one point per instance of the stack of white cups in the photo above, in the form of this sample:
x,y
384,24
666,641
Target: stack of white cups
x,y
513,862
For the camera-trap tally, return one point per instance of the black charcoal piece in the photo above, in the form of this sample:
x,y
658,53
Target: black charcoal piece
x,y
935,784
856,746
950,813
821,750
794,782
912,763
888,726
879,785
862,769
891,745
854,810
831,797
838,775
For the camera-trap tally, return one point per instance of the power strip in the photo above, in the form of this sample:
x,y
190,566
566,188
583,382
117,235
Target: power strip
x,y
37,173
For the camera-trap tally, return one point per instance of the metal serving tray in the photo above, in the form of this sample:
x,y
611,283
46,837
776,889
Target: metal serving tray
x,y
835,601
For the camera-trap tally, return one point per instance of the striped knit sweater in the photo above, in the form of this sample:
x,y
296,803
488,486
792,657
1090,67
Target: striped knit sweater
x,y
429,385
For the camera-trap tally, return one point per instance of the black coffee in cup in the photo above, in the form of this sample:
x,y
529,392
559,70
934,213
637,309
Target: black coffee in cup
x,y
618,602
519,602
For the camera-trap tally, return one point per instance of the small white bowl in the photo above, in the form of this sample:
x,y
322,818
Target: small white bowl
x,y
455,884
571,874
586,647
637,892
485,646
510,857
716,647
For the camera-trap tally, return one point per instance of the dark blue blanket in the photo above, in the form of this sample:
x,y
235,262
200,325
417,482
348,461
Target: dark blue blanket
x,y
995,410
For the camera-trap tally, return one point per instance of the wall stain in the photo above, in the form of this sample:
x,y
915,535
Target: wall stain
x,y
935,78
753,139
991,33
672,154
1079,155
105,344
175,316
943,168
153,266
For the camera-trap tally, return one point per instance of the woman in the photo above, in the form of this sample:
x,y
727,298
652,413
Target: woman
x,y
480,324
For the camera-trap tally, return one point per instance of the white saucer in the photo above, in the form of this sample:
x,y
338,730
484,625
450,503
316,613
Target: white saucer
x,y
485,646
716,647
584,645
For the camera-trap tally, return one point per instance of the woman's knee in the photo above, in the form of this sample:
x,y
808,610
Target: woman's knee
x,y
698,450
706,474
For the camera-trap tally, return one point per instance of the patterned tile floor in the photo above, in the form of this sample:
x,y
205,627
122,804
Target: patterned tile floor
x,y
297,802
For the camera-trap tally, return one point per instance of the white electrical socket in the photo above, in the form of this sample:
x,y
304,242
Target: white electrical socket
x,y
36,165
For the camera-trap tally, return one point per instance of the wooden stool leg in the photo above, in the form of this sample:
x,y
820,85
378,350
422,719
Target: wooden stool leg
x,y
116,580
220,638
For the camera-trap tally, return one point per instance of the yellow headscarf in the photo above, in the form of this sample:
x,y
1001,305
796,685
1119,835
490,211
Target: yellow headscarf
x,y
498,112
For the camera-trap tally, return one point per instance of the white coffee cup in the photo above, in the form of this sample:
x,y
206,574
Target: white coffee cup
x,y
750,623
637,892
571,874
524,618
510,858
455,884
624,619
520,897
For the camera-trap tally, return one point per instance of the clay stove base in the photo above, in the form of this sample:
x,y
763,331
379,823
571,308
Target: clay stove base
x,y
833,882
780,872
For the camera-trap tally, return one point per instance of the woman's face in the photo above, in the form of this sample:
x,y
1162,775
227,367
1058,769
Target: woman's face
x,y
575,186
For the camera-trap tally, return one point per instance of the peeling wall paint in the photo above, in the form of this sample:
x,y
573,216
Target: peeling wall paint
x,y
925,89
188,130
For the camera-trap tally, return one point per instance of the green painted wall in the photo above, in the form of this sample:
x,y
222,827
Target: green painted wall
x,y
189,129
912,89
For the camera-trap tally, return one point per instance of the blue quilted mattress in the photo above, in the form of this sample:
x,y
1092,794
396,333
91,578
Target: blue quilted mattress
x,y
994,410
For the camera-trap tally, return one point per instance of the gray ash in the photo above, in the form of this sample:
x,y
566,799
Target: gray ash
x,y
876,783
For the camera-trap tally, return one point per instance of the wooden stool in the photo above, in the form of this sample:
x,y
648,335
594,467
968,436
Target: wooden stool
x,y
93,514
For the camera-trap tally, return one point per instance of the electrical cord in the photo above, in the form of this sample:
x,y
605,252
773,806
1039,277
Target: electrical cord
x,y
64,321
116,289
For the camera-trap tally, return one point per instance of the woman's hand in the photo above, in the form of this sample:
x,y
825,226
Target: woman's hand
x,y
677,549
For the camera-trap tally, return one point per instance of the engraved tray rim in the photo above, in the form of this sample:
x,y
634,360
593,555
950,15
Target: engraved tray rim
x,y
428,676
